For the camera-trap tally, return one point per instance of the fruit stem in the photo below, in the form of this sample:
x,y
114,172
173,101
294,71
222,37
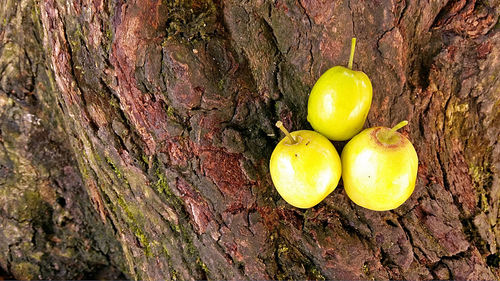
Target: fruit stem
x,y
279,124
353,46
387,136
399,126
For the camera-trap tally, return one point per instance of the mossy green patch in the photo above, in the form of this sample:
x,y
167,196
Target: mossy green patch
x,y
220,85
109,34
175,227
115,169
282,248
162,187
26,270
114,102
191,20
144,241
97,156
191,250
484,203
366,270
479,173
315,274
35,209
145,159
75,40
173,274
133,218
165,251
203,266
170,111
482,178
161,184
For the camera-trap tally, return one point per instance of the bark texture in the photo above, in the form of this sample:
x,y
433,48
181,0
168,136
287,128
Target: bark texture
x,y
139,133
48,226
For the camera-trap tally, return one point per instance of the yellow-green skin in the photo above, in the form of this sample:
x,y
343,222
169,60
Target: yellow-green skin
x,y
306,172
339,103
379,175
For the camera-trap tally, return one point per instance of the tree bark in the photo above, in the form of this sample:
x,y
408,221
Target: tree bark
x,y
135,138
48,227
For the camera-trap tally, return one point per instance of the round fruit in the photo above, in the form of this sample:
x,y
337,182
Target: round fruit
x,y
305,167
339,101
379,168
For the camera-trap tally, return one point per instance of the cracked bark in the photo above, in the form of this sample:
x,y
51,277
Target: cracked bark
x,y
140,131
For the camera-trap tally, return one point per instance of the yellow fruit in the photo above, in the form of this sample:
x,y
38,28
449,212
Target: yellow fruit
x,y
339,102
379,168
305,168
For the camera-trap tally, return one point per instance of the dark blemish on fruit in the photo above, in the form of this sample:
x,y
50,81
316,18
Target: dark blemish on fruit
x,y
296,155
308,142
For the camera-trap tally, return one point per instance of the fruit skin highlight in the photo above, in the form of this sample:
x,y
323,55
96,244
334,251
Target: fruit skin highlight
x,y
379,168
305,168
339,101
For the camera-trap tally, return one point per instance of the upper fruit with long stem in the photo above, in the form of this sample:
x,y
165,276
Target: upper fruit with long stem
x,y
339,101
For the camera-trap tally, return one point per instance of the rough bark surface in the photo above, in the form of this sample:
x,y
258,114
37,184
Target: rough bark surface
x,y
139,133
48,227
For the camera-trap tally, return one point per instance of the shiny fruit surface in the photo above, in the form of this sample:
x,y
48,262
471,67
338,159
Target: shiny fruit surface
x,y
379,169
339,103
306,171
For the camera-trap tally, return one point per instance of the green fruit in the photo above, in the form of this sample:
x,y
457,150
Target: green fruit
x,y
305,168
379,168
339,102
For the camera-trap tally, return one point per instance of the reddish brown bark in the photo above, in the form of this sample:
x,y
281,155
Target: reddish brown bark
x,y
168,109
